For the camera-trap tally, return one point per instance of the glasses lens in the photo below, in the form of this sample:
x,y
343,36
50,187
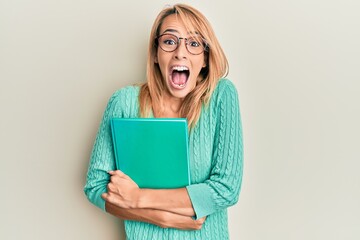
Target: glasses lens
x,y
195,45
168,42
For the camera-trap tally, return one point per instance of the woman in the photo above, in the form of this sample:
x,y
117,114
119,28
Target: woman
x,y
184,70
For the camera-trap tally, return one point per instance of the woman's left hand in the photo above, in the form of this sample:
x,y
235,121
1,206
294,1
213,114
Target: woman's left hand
x,y
122,190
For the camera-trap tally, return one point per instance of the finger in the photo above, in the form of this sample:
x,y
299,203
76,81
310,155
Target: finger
x,y
116,179
116,172
105,196
109,197
118,175
109,187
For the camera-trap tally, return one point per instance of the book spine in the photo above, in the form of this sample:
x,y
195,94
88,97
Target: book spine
x,y
112,122
187,152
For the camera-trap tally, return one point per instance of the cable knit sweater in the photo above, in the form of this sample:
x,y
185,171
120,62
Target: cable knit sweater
x,y
216,163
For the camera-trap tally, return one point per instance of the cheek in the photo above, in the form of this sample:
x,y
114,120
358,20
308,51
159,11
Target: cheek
x,y
199,65
162,62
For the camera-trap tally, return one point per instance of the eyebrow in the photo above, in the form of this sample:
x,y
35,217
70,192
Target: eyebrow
x,y
176,31
171,30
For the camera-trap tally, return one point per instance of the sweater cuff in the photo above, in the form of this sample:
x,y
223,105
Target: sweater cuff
x,y
96,199
201,199
100,202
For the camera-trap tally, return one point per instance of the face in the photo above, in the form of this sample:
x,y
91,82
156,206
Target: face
x,y
180,69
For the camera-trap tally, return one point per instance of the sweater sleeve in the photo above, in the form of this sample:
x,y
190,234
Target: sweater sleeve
x,y
222,188
102,156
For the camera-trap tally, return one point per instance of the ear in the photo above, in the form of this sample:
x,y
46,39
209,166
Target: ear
x,y
156,59
204,65
205,60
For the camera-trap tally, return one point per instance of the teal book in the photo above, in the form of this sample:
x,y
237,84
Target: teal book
x,y
152,151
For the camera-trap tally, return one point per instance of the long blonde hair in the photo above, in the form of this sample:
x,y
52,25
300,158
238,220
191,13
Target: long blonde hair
x,y
151,92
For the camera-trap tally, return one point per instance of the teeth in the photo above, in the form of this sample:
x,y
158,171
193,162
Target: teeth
x,y
180,68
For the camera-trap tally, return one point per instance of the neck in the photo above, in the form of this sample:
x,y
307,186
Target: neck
x,y
170,107
172,103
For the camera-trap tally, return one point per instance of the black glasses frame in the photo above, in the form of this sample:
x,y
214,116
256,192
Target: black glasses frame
x,y
178,42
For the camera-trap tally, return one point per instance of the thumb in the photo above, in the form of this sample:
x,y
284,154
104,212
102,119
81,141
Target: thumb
x,y
104,196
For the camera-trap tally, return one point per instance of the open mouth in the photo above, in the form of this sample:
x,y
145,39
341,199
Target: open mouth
x,y
179,76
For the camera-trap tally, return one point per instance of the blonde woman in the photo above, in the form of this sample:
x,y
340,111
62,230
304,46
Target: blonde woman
x,y
185,70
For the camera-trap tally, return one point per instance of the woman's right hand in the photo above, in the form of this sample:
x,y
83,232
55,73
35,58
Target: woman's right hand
x,y
122,190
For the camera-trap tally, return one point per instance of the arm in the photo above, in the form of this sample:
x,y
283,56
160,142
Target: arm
x,y
102,160
220,191
121,104
222,188
160,218
125,193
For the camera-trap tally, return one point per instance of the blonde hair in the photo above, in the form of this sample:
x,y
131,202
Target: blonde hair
x,y
151,92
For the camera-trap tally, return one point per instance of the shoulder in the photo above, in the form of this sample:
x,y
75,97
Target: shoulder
x,y
224,103
124,101
126,92
223,89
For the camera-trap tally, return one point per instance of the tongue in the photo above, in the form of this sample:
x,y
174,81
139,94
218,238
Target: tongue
x,y
179,78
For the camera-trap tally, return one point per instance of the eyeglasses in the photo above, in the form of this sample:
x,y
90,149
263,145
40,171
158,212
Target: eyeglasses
x,y
170,42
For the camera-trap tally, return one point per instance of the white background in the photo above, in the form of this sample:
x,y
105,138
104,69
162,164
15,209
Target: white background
x,y
296,67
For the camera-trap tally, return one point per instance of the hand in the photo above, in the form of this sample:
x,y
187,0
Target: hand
x,y
171,220
199,223
122,191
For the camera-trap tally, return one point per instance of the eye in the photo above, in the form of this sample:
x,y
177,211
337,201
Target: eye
x,y
194,43
169,42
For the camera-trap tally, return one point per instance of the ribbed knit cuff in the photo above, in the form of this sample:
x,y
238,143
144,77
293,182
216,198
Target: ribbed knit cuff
x,y
98,200
201,199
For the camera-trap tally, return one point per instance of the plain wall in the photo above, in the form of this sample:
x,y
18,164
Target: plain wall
x,y
296,67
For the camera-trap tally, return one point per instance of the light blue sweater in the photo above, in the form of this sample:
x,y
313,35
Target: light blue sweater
x,y
216,163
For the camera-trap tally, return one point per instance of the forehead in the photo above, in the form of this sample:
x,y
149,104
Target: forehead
x,y
173,23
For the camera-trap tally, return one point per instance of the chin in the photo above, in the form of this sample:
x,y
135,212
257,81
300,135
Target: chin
x,y
179,93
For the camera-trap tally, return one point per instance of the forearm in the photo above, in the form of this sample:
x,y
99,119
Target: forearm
x,y
125,193
160,218
172,200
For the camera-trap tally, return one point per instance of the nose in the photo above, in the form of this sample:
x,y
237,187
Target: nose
x,y
181,50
